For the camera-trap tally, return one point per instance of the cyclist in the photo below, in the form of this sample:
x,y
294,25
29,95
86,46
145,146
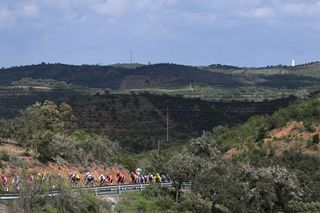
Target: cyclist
x,y
134,178
31,178
150,178
77,179
16,181
102,179
121,177
157,178
109,178
146,178
163,179
74,179
89,180
141,179
5,182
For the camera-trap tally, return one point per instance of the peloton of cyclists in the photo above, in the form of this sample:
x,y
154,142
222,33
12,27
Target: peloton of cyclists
x,y
89,180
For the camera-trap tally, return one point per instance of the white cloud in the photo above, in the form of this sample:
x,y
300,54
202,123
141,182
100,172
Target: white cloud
x,y
7,18
261,12
113,8
60,3
30,9
117,8
301,9
188,19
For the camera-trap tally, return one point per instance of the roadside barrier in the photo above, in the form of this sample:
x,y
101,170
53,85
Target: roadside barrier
x,y
100,190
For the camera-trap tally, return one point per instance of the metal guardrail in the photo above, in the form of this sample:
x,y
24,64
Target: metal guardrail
x,y
100,190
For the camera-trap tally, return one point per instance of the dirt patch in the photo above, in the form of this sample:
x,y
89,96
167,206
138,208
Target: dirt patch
x,y
294,129
231,153
34,166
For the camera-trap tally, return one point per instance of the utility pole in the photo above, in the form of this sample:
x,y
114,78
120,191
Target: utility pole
x,y
130,56
167,125
159,141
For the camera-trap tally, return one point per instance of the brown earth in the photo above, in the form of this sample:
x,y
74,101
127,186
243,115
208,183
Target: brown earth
x,y
294,129
32,166
294,135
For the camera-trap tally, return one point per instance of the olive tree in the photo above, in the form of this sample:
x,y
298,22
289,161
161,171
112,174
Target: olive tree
x,y
183,168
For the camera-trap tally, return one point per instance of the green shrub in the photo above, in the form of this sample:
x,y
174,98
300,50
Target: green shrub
x,y
194,203
299,207
315,139
261,134
156,191
309,127
4,156
138,202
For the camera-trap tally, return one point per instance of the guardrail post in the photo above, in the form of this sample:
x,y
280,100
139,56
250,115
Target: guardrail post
x,y
119,189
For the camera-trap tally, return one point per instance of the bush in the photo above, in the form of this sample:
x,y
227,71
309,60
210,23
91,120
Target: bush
x,y
194,203
157,191
315,139
261,134
45,146
298,207
309,127
138,202
4,156
34,197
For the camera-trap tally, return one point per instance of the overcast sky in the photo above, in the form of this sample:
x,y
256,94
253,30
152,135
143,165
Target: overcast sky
x,y
195,32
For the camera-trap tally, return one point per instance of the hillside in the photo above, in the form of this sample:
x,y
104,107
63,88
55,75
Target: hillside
x,y
270,163
46,138
138,121
130,114
311,69
16,158
115,77
273,156
215,82
293,128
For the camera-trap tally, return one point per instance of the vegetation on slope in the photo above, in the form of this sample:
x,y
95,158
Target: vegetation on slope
x,y
139,121
252,179
309,69
176,79
50,131
118,77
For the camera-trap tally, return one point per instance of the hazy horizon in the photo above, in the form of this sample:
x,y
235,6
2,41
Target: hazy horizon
x,y
143,64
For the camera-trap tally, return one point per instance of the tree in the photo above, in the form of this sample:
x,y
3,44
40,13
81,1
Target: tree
x,y
204,147
220,182
38,126
271,188
194,203
67,116
45,146
182,168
